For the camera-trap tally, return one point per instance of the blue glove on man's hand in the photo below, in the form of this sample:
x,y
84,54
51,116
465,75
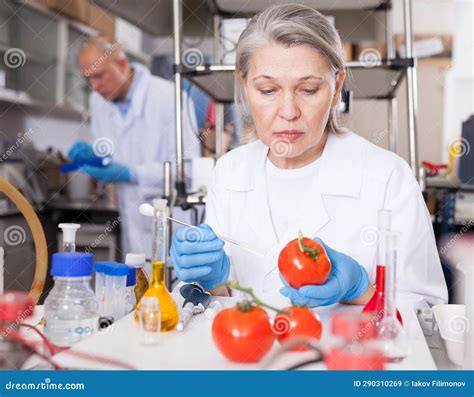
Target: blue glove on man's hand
x,y
348,280
198,255
112,173
81,151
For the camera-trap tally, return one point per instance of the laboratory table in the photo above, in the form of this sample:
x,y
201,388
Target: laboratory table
x,y
193,349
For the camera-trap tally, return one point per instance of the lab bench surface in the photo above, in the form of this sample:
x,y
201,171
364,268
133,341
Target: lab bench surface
x,y
194,349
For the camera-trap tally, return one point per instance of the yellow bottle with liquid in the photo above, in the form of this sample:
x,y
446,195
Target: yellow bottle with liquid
x,y
168,309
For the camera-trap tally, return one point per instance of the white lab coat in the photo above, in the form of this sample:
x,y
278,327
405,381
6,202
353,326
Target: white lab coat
x,y
356,178
143,140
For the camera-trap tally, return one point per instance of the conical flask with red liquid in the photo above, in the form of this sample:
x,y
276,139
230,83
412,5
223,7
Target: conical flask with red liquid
x,y
376,304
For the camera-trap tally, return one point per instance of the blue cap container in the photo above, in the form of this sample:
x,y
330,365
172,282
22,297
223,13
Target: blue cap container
x,y
99,267
115,269
72,264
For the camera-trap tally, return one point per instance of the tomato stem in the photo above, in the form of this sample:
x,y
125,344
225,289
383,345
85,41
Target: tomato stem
x,y
249,291
313,252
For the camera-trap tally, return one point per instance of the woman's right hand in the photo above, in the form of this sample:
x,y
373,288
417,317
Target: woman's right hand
x,y
198,256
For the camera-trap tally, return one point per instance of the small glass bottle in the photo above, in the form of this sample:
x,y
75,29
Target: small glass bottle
x,y
149,321
392,335
376,304
169,311
70,309
142,281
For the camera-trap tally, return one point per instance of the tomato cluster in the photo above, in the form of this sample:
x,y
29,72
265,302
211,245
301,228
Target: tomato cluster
x,y
244,333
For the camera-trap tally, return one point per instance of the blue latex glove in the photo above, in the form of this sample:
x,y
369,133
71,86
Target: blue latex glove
x,y
198,255
348,280
112,173
81,151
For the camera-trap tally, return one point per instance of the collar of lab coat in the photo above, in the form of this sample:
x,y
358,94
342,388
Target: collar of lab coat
x,y
138,98
340,167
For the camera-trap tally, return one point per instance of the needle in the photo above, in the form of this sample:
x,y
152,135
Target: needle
x,y
148,210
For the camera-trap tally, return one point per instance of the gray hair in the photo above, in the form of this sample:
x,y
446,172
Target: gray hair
x,y
288,25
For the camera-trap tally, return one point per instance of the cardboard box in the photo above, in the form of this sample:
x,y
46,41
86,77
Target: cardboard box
x,y
446,41
101,20
74,9
85,12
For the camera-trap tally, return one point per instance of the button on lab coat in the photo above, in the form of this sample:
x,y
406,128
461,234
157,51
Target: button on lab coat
x,y
340,205
143,140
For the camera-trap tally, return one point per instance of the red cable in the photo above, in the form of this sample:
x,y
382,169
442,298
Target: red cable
x,y
54,349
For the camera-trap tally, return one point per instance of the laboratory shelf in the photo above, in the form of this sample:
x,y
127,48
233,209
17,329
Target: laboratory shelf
x,y
155,17
246,8
377,81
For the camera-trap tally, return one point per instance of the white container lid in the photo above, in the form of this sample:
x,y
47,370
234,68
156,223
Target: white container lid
x,y
137,260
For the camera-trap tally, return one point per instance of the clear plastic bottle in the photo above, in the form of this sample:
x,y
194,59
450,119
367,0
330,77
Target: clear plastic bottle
x,y
70,309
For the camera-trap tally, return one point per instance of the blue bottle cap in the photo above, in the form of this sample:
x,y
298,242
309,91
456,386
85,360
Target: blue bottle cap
x,y
132,276
115,269
99,267
71,264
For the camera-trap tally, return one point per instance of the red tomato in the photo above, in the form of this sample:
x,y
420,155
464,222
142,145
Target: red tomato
x,y
300,322
304,261
243,336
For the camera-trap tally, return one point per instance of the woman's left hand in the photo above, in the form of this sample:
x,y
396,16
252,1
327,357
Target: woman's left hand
x,y
348,281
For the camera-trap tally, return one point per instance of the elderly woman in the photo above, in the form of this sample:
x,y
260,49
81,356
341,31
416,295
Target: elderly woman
x,y
304,172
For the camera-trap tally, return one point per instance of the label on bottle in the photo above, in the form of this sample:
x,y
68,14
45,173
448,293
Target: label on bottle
x,y
70,331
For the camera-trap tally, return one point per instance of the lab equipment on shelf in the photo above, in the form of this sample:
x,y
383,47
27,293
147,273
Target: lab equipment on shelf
x,y
70,309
